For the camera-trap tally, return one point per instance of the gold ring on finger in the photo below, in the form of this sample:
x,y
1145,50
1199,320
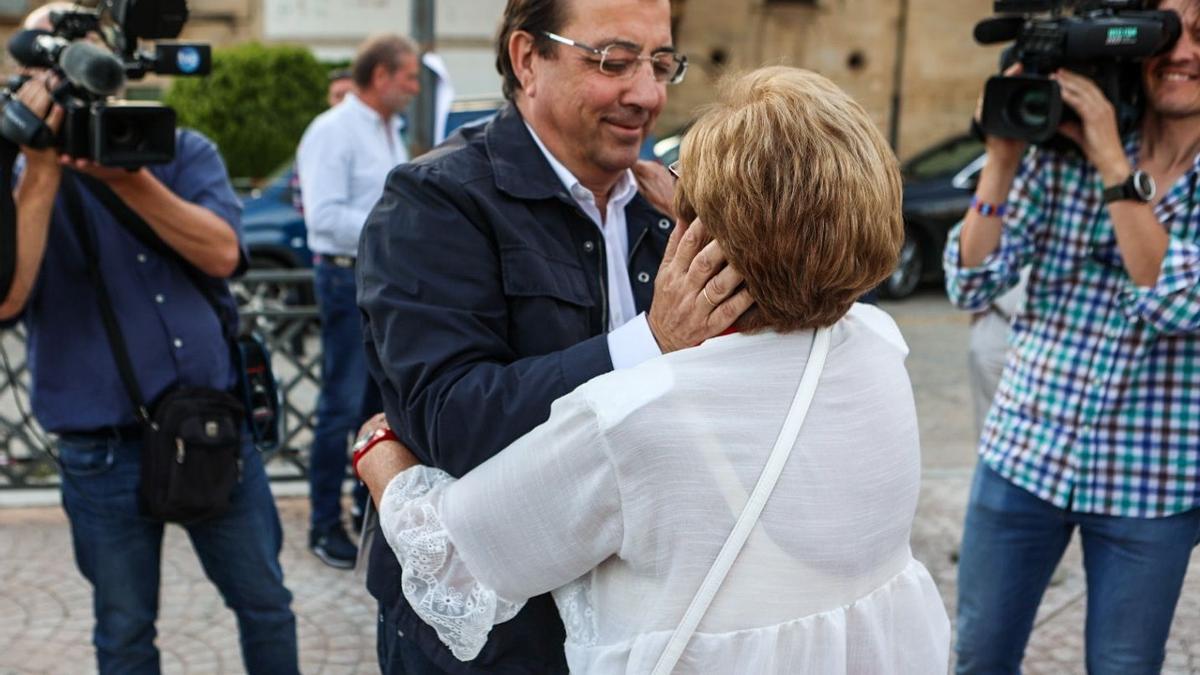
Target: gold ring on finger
x,y
704,292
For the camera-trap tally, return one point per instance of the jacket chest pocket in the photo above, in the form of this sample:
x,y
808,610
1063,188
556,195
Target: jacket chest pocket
x,y
549,300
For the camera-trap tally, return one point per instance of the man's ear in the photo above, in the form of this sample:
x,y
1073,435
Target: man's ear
x,y
379,76
521,51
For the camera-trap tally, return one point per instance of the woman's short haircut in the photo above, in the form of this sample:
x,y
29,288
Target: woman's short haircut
x,y
380,50
794,180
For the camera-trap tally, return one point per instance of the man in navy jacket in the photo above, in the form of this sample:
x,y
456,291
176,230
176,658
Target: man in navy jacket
x,y
504,270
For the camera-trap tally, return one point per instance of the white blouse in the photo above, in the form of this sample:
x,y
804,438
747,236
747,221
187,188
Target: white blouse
x,y
620,502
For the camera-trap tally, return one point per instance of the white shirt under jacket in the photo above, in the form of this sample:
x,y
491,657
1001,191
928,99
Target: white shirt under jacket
x,y
620,502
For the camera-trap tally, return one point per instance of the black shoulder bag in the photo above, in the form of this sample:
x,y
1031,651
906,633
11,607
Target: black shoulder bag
x,y
192,445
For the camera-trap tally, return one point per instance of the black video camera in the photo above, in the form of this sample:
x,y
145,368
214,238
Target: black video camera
x,y
96,126
1104,40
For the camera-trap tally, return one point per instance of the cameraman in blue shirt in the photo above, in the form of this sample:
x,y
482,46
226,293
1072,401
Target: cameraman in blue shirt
x,y
174,338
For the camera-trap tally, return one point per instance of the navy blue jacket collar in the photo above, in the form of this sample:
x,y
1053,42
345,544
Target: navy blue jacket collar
x,y
521,171
518,165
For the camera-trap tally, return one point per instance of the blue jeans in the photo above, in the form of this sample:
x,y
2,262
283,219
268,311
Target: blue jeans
x,y
346,389
1013,541
119,551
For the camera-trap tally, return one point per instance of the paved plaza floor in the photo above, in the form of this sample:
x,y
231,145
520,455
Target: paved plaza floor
x,y
45,611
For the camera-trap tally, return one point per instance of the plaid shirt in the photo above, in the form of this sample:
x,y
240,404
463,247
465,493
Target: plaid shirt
x,y
1098,410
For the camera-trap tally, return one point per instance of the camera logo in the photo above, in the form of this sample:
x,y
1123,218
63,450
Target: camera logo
x,y
188,59
1122,35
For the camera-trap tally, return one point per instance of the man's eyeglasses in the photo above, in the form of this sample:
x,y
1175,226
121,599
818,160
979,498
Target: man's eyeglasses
x,y
622,60
673,167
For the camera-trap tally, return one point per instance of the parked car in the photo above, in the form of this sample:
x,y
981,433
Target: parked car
x,y
272,222
272,225
938,184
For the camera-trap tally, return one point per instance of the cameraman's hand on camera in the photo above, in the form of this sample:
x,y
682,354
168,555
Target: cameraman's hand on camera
x,y
980,235
107,174
1003,153
34,197
35,95
1141,238
1096,134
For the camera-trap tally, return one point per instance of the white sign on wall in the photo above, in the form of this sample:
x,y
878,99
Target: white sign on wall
x,y
335,27
468,18
333,19
336,19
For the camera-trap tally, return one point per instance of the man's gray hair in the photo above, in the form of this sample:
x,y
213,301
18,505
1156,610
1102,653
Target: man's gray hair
x,y
386,50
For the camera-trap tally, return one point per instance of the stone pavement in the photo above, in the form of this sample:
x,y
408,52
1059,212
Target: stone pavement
x,y
45,614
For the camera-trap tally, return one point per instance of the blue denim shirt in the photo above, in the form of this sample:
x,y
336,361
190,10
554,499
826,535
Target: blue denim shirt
x,y
172,333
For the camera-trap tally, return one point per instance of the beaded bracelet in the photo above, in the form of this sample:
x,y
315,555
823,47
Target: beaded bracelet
x,y
987,209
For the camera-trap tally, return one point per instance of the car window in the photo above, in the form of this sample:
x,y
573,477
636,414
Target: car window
x,y
945,159
667,150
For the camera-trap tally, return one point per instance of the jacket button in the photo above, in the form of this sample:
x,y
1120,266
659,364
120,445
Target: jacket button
x,y
589,246
664,224
643,277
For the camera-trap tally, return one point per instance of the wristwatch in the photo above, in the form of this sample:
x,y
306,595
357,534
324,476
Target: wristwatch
x,y
368,441
1138,187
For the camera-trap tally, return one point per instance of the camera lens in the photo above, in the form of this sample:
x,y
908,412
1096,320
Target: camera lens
x,y
1031,108
123,134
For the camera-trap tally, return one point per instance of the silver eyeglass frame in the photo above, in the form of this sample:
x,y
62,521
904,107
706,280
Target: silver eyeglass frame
x,y
680,59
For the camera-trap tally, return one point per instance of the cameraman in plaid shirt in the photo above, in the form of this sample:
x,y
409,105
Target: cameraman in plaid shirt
x,y
1096,423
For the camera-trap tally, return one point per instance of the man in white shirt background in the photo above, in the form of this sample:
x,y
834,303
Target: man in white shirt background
x,y
343,160
341,82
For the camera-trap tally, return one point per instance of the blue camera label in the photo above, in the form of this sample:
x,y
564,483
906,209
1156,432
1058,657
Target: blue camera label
x,y
188,60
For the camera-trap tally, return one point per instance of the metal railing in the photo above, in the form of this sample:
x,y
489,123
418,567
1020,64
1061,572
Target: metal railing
x,y
278,303
24,448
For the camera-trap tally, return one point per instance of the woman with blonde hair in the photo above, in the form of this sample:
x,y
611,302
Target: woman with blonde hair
x,y
743,506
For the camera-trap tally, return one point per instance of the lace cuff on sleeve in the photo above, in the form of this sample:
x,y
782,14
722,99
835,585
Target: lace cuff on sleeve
x,y
436,582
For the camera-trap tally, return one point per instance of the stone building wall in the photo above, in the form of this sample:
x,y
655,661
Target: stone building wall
x,y
854,43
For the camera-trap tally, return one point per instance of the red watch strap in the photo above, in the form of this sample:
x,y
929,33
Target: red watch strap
x,y
380,435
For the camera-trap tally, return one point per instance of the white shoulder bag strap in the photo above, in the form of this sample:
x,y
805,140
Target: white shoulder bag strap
x,y
754,506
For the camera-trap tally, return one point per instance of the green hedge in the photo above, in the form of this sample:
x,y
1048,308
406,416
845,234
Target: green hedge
x,y
255,105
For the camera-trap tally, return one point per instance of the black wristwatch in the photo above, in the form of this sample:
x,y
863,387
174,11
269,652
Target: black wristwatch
x,y
1139,187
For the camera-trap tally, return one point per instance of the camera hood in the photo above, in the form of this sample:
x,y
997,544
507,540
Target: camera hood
x,y
1025,107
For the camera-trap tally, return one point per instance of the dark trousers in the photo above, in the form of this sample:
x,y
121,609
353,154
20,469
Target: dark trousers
x,y
119,551
398,655
347,397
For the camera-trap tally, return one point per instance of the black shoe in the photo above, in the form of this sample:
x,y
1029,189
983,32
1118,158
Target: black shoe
x,y
333,547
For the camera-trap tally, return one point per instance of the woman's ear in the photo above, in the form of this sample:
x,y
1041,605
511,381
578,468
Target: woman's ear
x,y
684,211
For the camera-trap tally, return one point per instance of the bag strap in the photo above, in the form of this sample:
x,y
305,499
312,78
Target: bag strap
x,y
141,230
116,340
8,218
754,506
